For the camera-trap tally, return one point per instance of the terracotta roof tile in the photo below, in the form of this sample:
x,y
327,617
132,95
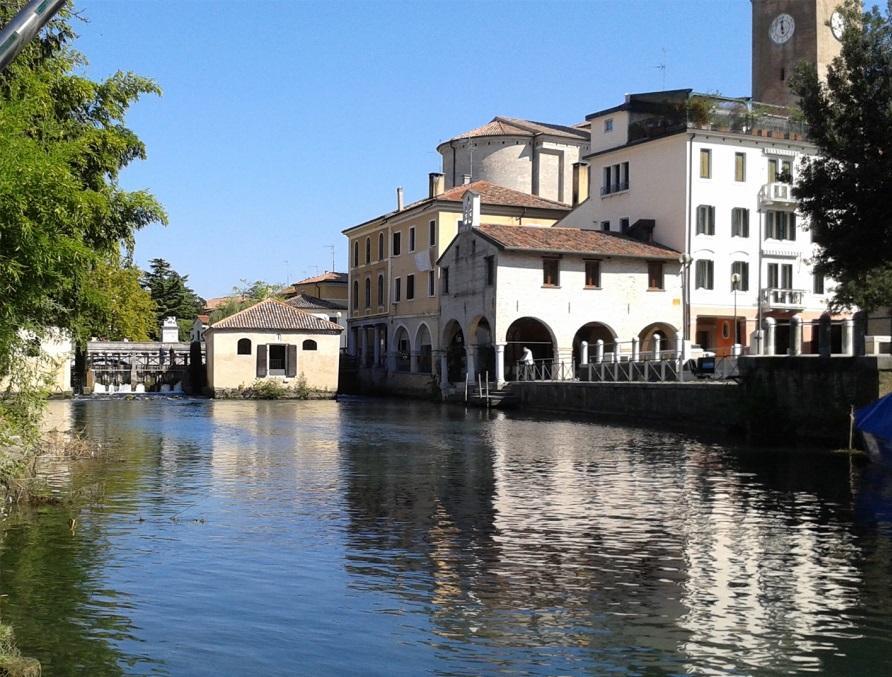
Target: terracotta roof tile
x,y
573,241
271,314
506,126
310,302
491,194
325,277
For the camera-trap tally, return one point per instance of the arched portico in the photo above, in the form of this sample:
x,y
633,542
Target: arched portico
x,y
453,344
480,332
592,332
668,338
423,353
402,348
532,333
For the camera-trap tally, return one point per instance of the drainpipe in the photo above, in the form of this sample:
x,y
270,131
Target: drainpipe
x,y
686,300
761,335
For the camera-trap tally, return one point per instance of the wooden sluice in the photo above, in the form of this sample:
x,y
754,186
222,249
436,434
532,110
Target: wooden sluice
x,y
122,367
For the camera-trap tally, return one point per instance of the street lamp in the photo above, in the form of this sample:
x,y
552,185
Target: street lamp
x,y
685,260
735,285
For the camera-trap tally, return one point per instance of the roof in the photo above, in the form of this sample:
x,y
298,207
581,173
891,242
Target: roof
x,y
327,276
204,319
505,126
490,194
310,302
272,314
219,301
558,240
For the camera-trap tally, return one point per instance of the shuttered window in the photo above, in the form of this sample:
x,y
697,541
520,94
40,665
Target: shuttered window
x,y
550,272
704,274
705,163
740,222
592,274
705,220
740,166
261,360
291,361
410,287
655,275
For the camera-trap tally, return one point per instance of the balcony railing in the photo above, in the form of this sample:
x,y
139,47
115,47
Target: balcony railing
x,y
777,193
775,298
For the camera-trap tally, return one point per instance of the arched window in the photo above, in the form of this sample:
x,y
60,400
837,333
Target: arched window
x,y
355,254
381,246
244,347
368,250
380,290
309,344
355,294
368,292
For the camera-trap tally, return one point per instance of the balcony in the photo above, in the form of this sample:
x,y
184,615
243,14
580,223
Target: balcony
x,y
774,298
777,194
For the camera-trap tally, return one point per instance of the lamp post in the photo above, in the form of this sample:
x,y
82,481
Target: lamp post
x,y
685,260
735,285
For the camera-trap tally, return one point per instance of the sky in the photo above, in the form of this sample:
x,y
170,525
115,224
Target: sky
x,y
283,122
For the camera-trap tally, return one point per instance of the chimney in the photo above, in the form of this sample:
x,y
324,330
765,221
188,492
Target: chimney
x,y
399,198
436,184
465,179
580,182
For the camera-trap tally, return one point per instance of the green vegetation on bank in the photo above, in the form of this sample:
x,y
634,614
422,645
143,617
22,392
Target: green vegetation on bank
x,y
844,190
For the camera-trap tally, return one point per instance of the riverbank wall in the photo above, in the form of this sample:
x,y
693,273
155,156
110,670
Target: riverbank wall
x,y
778,399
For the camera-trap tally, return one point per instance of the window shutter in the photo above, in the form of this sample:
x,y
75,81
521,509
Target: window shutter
x,y
792,223
291,362
261,361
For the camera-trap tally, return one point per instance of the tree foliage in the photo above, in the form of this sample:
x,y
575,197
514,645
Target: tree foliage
x,y
244,296
844,190
114,304
171,294
63,215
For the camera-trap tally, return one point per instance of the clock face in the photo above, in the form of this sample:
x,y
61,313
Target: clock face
x,y
782,28
837,25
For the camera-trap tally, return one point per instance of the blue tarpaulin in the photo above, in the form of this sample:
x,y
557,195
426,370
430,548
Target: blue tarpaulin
x,y
876,418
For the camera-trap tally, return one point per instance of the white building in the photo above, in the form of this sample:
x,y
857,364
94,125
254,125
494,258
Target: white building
x,y
710,176
505,287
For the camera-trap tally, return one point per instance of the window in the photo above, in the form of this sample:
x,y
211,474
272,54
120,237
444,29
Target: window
x,y
740,222
741,268
368,292
624,224
444,279
277,358
655,275
243,347
395,249
380,290
616,178
740,166
608,125
431,282
380,246
368,250
605,226
355,254
818,284
333,320
705,163
703,274
397,289
410,287
489,262
780,275
705,220
550,272
432,233
593,274
779,170
412,239
309,344
780,225
355,294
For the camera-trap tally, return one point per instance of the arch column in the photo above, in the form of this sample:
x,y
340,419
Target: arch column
x,y
796,335
470,367
413,361
376,347
500,364
770,323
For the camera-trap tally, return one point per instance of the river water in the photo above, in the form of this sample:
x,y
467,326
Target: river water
x,y
380,537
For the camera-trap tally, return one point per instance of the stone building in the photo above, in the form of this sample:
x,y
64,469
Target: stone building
x,y
504,288
272,341
530,157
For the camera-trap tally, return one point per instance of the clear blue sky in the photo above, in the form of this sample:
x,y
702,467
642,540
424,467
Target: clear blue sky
x,y
284,122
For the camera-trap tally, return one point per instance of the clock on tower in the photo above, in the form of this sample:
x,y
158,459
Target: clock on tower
x,y
786,32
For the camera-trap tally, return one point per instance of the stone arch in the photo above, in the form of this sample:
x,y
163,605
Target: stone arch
x,y
530,332
668,337
591,332
481,337
402,346
424,349
453,343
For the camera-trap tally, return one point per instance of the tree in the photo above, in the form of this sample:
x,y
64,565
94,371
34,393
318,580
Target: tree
x,y
245,296
62,213
171,294
844,189
114,304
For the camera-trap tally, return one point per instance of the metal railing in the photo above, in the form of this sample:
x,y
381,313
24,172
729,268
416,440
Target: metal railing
x,y
545,370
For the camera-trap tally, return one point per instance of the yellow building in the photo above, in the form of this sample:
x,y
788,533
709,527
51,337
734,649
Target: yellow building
x,y
272,341
328,286
394,282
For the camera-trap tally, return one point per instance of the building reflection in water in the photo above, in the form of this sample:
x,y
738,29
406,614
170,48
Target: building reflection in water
x,y
582,542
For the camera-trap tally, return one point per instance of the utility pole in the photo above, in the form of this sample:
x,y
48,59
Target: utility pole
x,y
24,26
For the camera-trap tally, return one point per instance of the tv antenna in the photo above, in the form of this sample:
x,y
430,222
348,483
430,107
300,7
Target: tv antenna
x,y
331,248
662,68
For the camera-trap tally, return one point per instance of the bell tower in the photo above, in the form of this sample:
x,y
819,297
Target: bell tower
x,y
785,33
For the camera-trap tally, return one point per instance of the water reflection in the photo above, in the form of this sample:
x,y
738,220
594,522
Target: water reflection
x,y
260,538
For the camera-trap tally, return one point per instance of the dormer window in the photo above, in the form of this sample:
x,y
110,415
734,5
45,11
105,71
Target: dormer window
x,y
608,125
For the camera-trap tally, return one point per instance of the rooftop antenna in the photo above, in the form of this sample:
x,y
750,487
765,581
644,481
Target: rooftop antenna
x,y
331,248
662,67
287,273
